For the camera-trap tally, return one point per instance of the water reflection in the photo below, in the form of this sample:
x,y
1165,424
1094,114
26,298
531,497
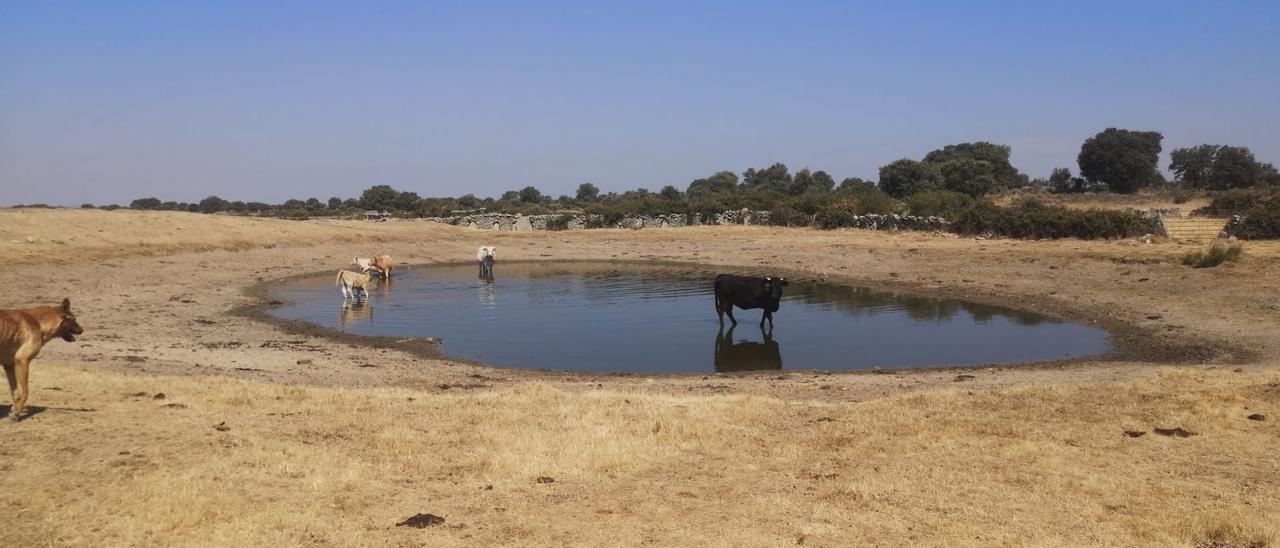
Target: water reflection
x,y
747,355
486,269
353,313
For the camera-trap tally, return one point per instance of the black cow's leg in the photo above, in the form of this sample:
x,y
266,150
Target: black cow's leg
x,y
766,316
719,311
728,309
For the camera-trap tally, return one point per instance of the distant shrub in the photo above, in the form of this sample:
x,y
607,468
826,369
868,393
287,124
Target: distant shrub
x,y
1033,219
840,214
1216,255
785,215
873,200
939,203
1234,202
1260,222
86,206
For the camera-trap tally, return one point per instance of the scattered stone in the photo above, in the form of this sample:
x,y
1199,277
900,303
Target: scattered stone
x,y
134,359
174,406
1176,432
488,488
137,395
204,321
1154,317
960,378
1257,417
824,419
221,427
421,521
1135,433
545,479
304,362
367,365
158,396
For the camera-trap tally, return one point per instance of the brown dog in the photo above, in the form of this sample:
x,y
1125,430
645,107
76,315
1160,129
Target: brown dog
x,y
22,334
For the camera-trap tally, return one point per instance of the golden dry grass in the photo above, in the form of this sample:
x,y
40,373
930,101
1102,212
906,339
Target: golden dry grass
x,y
315,466
41,235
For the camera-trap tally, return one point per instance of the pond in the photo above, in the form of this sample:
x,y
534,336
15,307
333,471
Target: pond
x,y
643,318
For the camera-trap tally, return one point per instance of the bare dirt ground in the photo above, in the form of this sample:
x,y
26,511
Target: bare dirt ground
x,y
333,440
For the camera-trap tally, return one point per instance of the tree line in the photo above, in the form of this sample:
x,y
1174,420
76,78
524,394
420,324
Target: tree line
x,y
1115,160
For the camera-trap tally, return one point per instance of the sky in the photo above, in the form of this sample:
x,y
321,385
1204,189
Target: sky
x,y
104,102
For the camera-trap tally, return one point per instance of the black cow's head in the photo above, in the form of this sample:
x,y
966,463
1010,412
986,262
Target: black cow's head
x,y
773,289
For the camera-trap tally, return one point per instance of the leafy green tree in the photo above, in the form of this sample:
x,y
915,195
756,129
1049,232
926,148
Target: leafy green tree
x,y
969,176
213,204
406,201
723,182
335,203
145,203
1218,167
588,192
805,181
530,195
906,177
975,168
379,197
775,178
823,182
669,193
1122,159
468,201
510,196
86,206
849,184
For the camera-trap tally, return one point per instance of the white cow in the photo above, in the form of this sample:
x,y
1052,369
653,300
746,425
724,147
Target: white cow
x,y
485,256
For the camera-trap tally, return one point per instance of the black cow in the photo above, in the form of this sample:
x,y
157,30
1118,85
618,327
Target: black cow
x,y
748,292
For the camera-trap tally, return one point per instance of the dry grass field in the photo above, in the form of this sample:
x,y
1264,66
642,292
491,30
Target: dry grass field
x,y
249,446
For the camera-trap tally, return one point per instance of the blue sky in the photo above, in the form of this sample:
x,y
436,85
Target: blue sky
x,y
108,101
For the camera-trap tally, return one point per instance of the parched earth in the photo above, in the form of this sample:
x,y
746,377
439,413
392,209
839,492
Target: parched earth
x,y
200,312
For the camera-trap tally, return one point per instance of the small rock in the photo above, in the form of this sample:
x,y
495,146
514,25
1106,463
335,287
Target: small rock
x,y
1176,432
134,359
1257,417
1134,433
158,396
304,362
1154,317
964,378
174,406
420,521
222,426
545,479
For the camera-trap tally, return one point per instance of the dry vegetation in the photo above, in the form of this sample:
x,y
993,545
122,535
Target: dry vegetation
x,y
79,235
1038,457
300,465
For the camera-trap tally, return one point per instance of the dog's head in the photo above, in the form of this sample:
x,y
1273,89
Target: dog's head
x,y
68,328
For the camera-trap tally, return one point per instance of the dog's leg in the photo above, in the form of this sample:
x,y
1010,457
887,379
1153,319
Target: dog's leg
x,y
20,370
13,390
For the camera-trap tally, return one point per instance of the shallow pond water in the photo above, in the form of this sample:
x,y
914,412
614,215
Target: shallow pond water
x,y
638,318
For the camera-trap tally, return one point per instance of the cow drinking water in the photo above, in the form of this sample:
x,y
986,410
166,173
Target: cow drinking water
x,y
747,292
485,256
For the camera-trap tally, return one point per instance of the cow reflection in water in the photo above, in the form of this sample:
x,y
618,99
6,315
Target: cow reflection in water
x,y
355,312
747,355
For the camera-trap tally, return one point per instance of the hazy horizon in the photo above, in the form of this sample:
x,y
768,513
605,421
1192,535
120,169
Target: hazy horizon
x,y
104,103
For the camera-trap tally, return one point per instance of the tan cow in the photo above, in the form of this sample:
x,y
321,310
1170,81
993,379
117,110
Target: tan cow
x,y
350,282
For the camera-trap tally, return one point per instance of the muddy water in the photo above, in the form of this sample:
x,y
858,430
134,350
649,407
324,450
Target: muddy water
x,y
637,318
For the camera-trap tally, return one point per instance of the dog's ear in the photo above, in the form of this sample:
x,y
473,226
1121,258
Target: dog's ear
x,y
66,306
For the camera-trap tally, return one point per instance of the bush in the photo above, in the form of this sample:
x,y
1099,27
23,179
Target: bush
x,y
1233,202
785,215
1216,255
1033,219
840,214
1261,222
939,203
